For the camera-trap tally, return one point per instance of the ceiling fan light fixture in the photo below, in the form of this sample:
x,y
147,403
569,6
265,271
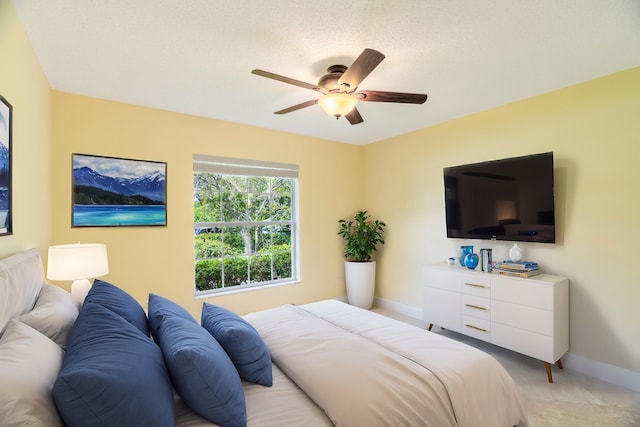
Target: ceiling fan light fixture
x,y
337,104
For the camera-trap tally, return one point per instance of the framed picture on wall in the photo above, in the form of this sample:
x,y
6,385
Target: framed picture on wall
x,y
116,192
5,167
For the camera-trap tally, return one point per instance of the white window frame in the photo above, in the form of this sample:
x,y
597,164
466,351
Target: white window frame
x,y
242,167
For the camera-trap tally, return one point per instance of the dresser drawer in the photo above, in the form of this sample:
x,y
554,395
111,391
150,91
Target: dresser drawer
x,y
483,279
443,308
523,317
476,284
532,344
449,280
476,306
523,291
476,327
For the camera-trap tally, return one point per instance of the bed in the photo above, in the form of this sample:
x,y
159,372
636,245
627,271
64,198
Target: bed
x,y
110,362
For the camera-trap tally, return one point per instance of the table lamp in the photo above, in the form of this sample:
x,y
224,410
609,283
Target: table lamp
x,y
78,262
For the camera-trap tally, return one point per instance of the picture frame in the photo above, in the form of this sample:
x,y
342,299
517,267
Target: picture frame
x,y
118,192
6,192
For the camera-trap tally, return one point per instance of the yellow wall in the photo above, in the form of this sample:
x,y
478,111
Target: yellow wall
x,y
594,131
160,259
24,86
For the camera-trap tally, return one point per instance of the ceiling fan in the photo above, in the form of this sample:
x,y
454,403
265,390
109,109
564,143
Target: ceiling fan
x,y
339,88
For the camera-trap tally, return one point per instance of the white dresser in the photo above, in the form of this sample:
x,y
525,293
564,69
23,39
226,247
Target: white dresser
x,y
530,316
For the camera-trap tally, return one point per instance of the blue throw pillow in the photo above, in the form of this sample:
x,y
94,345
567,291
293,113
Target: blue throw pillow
x,y
112,375
162,305
120,302
202,373
241,341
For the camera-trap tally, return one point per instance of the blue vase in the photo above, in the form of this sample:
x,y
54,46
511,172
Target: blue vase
x,y
471,261
464,251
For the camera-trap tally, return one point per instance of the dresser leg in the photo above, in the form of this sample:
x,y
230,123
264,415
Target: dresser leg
x,y
430,326
547,365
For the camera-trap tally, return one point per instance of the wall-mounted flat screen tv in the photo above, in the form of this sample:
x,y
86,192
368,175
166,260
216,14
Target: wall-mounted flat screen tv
x,y
507,199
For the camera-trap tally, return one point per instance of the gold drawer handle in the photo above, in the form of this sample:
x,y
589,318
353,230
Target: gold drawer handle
x,y
475,306
475,327
475,286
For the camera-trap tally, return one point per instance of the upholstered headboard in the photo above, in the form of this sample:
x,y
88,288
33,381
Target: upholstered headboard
x,y
21,280
36,319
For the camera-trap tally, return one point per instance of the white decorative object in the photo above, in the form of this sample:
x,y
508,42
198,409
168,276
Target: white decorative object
x,y
361,281
78,262
515,253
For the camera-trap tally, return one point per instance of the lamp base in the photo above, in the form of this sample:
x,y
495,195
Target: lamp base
x,y
80,289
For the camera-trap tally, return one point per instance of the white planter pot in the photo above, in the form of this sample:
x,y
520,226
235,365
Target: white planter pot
x,y
361,282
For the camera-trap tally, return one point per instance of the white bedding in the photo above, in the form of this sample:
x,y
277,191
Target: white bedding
x,y
364,369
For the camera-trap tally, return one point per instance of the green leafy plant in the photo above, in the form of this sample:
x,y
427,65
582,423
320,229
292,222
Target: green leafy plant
x,y
361,236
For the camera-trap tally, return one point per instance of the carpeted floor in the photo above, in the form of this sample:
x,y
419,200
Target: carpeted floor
x,y
573,399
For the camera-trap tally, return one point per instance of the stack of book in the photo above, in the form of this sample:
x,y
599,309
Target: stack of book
x,y
517,268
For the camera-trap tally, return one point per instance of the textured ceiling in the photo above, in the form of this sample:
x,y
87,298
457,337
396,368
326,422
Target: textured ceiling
x,y
196,56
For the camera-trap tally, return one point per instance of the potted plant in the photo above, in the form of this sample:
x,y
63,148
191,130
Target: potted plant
x,y
361,237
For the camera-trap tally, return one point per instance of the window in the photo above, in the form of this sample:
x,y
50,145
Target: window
x,y
245,229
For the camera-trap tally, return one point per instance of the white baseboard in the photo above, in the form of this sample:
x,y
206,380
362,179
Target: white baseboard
x,y
398,307
602,371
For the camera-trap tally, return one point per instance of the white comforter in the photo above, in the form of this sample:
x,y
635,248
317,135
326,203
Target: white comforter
x,y
364,369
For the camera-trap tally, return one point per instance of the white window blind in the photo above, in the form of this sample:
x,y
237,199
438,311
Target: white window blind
x,y
231,166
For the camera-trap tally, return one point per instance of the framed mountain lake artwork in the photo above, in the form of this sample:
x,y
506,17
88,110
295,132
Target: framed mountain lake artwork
x,y
115,192
5,167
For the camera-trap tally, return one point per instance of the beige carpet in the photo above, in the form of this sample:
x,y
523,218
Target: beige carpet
x,y
573,399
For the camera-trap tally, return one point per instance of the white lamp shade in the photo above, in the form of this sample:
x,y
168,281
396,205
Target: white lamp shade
x,y
337,104
77,261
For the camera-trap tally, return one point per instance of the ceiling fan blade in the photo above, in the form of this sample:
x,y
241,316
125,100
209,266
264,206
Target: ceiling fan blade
x,y
400,97
298,107
284,79
354,117
361,67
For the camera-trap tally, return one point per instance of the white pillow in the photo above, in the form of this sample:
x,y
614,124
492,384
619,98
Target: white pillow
x,y
21,278
53,315
29,363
